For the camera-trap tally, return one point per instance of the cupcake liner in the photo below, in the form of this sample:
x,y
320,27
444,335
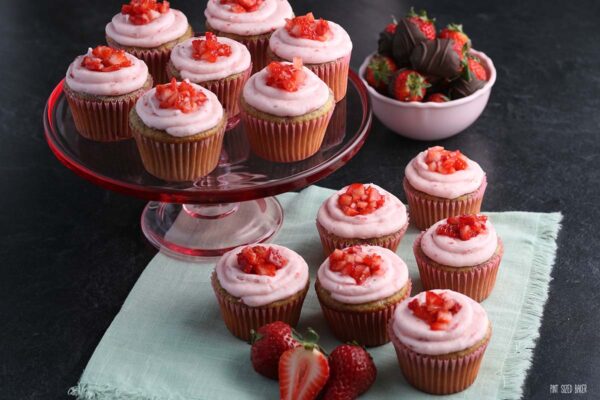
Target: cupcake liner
x,y
336,130
257,47
102,121
285,141
180,161
476,282
334,74
368,328
240,318
426,211
438,375
228,91
331,242
156,60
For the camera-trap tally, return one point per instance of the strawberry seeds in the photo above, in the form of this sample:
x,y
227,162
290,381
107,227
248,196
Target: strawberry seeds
x,y
307,27
181,96
437,310
445,161
261,260
288,77
209,49
106,59
353,262
141,12
463,227
360,199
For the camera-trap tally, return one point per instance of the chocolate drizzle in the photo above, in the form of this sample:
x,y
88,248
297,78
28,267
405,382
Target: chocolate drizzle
x,y
462,88
384,44
436,57
405,39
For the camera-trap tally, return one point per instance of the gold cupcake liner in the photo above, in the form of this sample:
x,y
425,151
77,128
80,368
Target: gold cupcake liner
x,y
285,141
180,161
438,375
476,282
102,121
240,319
331,242
368,328
426,211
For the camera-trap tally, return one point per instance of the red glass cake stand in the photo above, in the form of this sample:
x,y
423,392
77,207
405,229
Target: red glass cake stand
x,y
232,206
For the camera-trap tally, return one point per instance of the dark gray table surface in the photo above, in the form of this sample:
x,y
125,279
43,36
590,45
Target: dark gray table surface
x,y
70,252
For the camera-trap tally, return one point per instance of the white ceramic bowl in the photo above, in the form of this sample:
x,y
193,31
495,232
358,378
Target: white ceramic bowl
x,y
431,121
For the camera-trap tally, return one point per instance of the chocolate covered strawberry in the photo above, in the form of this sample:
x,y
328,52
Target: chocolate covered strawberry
x,y
386,37
411,30
461,41
436,58
437,310
379,71
408,85
351,373
473,78
269,342
303,370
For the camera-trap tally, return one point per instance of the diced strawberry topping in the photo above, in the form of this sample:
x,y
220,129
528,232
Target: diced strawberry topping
x,y
360,199
353,262
260,260
307,27
209,49
182,96
463,227
141,12
288,77
445,161
437,310
243,6
106,59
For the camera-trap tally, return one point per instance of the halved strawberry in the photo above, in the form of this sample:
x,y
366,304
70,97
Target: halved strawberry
x,y
209,49
463,227
360,199
243,6
445,161
261,260
141,12
437,310
303,371
307,27
288,77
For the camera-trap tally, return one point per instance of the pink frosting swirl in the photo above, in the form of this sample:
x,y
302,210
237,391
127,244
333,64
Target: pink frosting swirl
x,y
201,71
165,28
344,288
311,51
387,219
175,122
269,16
259,290
459,253
112,83
312,95
468,327
447,186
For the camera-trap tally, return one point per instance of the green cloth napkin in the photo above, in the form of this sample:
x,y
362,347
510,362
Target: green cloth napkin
x,y
168,341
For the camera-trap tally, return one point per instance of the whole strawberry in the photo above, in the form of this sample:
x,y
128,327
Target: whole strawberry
x,y
384,44
352,372
269,342
455,32
379,71
411,30
476,68
437,98
408,85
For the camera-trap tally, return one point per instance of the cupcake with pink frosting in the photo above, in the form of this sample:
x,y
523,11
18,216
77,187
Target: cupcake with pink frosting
x,y
324,46
359,288
101,88
178,128
440,183
361,214
250,22
259,284
285,109
461,253
440,337
149,30
219,64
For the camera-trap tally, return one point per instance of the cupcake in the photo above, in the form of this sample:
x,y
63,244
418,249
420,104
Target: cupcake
x,y
440,183
221,65
260,284
178,128
358,289
324,47
149,30
248,22
285,109
440,337
101,88
361,214
461,253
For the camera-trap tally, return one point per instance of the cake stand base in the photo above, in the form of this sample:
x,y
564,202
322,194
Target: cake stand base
x,y
193,232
